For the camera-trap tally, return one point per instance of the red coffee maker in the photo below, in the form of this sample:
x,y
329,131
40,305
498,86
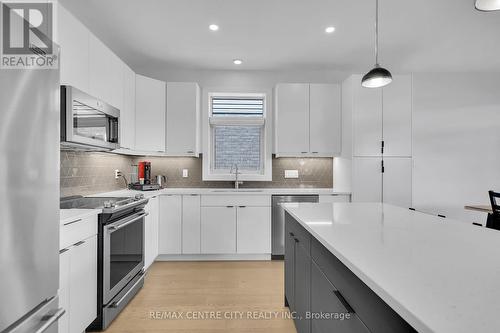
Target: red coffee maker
x,y
144,172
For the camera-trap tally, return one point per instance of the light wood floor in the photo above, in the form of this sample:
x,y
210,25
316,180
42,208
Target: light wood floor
x,y
208,286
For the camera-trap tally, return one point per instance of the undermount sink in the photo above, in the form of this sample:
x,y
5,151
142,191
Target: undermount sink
x,y
235,190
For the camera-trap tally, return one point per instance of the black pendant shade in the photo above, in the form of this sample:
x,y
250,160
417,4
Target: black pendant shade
x,y
487,5
376,78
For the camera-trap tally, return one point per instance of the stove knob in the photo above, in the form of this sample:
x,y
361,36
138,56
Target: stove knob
x,y
139,196
109,204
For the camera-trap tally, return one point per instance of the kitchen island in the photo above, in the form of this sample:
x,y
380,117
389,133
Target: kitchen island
x,y
390,269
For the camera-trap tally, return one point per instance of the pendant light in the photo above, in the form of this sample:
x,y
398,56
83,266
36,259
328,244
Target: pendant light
x,y
487,5
378,76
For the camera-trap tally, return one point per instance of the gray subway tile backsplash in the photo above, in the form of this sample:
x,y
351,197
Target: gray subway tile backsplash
x,y
84,173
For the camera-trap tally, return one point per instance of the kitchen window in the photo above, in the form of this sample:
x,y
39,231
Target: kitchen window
x,y
237,129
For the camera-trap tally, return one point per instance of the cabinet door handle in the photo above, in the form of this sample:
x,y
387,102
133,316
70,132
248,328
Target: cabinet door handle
x,y
72,222
315,152
242,206
229,206
190,152
291,234
296,240
303,152
63,250
344,302
79,243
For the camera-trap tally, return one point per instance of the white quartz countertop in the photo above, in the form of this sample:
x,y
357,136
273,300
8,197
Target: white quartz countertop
x,y
69,215
439,275
226,191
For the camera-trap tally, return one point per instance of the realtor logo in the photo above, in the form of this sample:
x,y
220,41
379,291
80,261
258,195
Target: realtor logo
x,y
27,29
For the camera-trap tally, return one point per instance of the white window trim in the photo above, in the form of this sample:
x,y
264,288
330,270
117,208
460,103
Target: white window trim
x,y
208,173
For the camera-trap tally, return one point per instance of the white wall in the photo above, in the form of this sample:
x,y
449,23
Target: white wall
x,y
456,140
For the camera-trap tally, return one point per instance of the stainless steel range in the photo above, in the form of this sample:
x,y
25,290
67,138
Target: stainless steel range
x,y
120,252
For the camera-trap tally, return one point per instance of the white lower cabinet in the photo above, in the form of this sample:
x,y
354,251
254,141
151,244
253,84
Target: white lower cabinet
x,y
218,230
78,285
253,230
170,235
191,224
151,230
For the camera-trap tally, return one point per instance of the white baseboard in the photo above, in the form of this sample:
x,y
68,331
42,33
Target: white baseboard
x,y
212,257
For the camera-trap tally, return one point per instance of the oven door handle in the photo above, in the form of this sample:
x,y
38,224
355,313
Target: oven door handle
x,y
119,302
116,227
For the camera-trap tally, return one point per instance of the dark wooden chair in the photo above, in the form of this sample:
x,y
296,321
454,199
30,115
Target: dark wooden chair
x,y
493,220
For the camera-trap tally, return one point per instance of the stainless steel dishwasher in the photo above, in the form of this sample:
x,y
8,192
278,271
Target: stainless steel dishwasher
x,y
278,221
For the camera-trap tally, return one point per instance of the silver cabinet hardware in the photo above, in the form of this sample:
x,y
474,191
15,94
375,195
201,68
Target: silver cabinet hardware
x,y
72,222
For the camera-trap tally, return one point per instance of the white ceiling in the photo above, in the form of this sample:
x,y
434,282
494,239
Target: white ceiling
x,y
418,36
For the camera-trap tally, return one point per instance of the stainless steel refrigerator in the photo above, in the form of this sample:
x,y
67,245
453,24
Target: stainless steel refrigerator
x,y
29,200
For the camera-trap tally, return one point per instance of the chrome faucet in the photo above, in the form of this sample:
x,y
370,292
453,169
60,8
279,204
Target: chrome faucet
x,y
236,181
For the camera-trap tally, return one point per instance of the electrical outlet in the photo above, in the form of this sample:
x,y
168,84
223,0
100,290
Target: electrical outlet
x,y
291,173
117,173
185,173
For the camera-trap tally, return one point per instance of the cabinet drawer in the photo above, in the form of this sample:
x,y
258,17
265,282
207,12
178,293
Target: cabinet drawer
x,y
235,200
370,308
74,231
325,301
301,235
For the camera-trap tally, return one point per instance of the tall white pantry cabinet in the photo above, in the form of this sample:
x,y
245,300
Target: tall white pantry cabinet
x,y
381,140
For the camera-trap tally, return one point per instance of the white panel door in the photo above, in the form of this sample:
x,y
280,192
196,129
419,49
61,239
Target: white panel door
x,y
218,230
325,119
397,180
64,288
397,101
183,118
73,38
367,121
292,118
150,114
100,70
367,179
191,224
127,113
151,231
170,235
253,230
83,284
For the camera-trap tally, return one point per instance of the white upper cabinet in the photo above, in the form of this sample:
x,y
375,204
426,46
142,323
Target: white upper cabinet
x,y
73,38
367,121
149,114
105,73
127,112
397,121
325,119
100,70
307,119
183,119
291,119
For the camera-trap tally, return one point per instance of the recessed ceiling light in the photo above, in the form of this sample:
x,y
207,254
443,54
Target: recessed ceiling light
x,y
213,27
237,61
329,30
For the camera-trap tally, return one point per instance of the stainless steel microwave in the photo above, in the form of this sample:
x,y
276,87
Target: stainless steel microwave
x,y
87,122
